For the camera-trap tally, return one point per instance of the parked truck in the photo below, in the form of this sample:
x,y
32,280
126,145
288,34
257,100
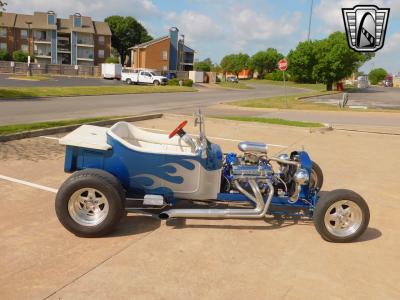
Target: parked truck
x,y
131,76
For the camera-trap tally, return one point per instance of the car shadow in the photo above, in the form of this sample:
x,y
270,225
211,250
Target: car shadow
x,y
370,234
135,224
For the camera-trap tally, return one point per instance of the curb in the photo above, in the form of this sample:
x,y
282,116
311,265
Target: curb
x,y
319,95
62,129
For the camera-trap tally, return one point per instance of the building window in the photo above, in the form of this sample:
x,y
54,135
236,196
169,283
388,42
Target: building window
x,y
77,21
41,35
164,55
3,46
51,19
24,48
100,54
3,32
101,39
24,33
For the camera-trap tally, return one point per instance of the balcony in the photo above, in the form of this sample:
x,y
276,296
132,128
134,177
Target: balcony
x,y
42,54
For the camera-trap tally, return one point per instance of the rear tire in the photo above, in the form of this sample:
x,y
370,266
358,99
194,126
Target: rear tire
x,y
341,216
156,83
90,203
128,81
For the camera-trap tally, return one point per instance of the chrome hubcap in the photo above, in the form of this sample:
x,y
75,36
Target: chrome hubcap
x,y
343,218
88,207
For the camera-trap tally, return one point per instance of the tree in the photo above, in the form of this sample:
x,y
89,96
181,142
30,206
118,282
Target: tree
x,y
377,75
126,32
204,65
301,62
265,61
335,60
234,63
2,6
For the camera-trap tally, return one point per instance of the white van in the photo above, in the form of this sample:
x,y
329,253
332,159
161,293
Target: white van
x,y
362,82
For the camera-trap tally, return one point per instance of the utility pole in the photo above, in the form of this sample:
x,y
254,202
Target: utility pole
x,y
309,20
29,73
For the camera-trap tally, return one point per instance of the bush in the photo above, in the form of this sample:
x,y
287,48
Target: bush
x,y
377,75
275,76
185,82
112,60
20,56
173,81
4,55
188,82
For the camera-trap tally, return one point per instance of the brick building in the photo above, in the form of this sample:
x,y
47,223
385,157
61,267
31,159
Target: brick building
x,y
76,41
164,53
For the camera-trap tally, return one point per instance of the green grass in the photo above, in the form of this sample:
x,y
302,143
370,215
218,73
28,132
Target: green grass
x,y
280,103
24,92
232,85
274,121
30,78
319,87
15,128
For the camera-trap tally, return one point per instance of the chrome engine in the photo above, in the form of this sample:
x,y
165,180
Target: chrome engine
x,y
255,165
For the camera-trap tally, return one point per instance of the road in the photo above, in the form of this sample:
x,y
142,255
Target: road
x,y
44,109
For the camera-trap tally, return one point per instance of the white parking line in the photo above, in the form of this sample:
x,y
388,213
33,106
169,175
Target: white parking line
x,y
30,184
161,130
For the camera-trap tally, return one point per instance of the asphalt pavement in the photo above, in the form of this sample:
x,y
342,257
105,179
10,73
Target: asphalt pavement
x,y
57,108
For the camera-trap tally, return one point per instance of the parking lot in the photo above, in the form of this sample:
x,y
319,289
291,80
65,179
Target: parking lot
x,y
145,258
374,97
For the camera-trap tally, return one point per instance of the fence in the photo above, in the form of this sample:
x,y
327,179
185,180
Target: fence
x,y
42,69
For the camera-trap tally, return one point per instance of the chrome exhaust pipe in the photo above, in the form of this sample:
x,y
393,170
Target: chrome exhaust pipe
x,y
229,213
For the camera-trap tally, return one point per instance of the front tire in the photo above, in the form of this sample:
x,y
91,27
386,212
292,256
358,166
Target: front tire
x,y
90,203
317,177
341,216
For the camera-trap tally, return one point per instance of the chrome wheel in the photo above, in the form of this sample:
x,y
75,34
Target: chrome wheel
x,y
313,179
88,207
343,218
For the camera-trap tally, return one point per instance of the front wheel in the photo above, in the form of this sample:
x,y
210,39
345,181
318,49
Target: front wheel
x,y
317,177
341,216
90,203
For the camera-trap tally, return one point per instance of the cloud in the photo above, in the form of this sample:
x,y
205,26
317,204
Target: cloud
x,y
330,12
97,9
196,26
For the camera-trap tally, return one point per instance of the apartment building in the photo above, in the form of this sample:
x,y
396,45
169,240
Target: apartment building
x,y
164,53
77,40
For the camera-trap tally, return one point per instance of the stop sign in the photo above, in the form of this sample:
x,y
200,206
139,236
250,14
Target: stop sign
x,y
282,64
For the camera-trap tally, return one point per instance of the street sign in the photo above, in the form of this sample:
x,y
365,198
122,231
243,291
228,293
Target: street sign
x,y
283,64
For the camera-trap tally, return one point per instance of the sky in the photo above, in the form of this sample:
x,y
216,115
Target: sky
x,y
215,28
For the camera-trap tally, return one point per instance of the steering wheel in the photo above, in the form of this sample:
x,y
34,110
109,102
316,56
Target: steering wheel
x,y
177,129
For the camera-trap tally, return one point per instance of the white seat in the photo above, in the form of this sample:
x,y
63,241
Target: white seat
x,y
146,141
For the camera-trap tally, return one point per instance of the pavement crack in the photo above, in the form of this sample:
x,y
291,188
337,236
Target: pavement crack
x,y
98,265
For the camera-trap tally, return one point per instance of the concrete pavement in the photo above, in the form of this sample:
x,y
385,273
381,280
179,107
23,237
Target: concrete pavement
x,y
204,259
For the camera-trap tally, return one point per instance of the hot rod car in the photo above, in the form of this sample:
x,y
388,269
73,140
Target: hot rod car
x,y
127,169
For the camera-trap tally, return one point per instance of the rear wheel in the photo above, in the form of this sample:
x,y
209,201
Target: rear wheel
x,y
128,81
317,177
90,203
156,82
341,216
